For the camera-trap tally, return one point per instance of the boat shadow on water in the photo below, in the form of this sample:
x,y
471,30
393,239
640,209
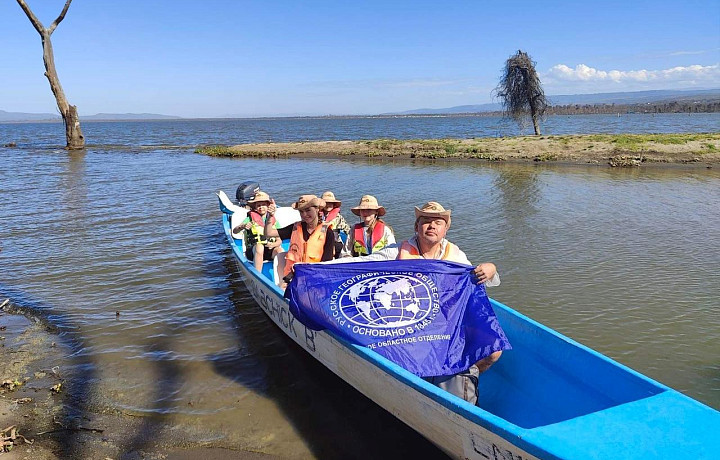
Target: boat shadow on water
x,y
334,419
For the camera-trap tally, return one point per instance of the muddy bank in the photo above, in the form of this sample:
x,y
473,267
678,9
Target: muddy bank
x,y
35,387
624,150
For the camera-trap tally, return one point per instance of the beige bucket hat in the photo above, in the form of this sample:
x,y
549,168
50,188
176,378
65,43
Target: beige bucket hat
x,y
259,197
329,197
306,201
368,202
433,209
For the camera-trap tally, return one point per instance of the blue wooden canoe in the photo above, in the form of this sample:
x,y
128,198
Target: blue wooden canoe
x,y
548,398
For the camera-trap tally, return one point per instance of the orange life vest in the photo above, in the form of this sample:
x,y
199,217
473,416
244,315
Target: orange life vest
x,y
377,242
451,253
305,251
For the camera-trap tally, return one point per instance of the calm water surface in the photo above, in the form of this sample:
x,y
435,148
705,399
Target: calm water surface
x,y
184,133
122,249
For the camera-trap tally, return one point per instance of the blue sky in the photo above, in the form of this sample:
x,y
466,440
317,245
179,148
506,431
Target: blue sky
x,y
209,58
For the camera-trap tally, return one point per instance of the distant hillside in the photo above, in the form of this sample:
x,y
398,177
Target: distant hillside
x,y
128,116
637,97
629,98
21,116
18,117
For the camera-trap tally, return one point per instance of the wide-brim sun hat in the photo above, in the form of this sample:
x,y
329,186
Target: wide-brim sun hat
x,y
434,210
307,201
329,197
368,202
259,197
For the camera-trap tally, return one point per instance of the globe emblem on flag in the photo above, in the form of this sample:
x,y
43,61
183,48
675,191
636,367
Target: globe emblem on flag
x,y
386,301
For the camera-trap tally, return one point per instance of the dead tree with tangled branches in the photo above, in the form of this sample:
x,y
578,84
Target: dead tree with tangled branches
x,y
520,90
73,134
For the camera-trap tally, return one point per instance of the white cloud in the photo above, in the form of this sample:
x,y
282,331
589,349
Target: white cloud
x,y
561,77
582,72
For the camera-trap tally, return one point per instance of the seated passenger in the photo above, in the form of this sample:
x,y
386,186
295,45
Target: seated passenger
x,y
257,248
432,222
311,239
372,234
331,214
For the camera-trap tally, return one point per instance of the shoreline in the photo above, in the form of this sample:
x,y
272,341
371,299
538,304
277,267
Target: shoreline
x,y
612,150
37,398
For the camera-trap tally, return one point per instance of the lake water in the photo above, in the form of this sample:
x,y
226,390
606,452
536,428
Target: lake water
x,y
121,248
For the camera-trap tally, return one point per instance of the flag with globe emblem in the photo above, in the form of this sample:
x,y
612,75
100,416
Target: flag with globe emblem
x,y
427,316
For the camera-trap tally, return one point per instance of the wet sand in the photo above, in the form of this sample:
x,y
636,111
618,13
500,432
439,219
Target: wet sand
x,y
35,364
626,150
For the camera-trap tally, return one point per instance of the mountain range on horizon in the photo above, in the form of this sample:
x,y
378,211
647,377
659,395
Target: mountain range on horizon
x,y
632,97
23,116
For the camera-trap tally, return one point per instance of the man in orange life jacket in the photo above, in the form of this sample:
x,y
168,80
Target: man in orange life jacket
x,y
311,239
432,222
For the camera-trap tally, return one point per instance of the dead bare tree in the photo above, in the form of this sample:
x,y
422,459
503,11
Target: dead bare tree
x,y
520,90
73,133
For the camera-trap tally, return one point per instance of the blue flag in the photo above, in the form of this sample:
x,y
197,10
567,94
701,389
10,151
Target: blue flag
x,y
427,316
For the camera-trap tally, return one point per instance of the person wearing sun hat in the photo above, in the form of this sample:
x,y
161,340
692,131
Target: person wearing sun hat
x,y
257,248
311,239
432,222
331,213
372,234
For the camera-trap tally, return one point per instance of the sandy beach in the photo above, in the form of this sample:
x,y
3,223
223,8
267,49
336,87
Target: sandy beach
x,y
625,150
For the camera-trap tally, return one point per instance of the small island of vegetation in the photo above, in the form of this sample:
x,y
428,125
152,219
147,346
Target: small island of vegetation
x,y
606,149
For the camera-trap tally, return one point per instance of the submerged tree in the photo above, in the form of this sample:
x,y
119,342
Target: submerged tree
x,y
73,134
520,90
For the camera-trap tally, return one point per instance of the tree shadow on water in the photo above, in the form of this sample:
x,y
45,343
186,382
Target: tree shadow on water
x,y
168,382
334,419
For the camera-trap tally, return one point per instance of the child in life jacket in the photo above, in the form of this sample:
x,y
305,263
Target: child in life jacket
x,y
257,247
372,234
331,215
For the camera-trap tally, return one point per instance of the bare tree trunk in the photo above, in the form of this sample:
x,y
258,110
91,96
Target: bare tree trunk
x,y
73,133
531,102
534,116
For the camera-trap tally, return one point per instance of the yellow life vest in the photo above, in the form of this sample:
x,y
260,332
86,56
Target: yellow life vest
x,y
257,229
